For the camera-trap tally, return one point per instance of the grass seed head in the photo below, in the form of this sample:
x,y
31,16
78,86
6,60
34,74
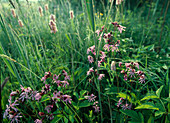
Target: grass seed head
x,y
13,13
71,14
40,11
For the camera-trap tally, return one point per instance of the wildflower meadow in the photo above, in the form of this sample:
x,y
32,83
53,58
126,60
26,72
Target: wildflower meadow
x,y
84,61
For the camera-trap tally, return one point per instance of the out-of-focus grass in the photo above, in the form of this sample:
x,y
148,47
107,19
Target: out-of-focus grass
x,y
36,50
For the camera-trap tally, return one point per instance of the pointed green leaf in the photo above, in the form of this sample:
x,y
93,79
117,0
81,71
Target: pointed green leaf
x,y
125,96
150,96
147,106
158,92
157,113
133,114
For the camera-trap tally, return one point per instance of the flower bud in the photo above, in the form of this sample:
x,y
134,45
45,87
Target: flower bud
x,y
46,7
13,13
71,14
40,11
41,113
113,65
20,23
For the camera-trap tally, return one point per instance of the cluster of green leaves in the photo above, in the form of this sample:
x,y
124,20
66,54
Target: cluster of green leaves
x,y
26,53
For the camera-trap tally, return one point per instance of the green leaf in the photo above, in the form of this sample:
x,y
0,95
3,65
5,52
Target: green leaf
x,y
82,93
89,7
112,90
151,119
85,103
125,96
158,92
56,119
76,94
149,96
71,118
157,113
45,98
147,106
133,114
141,117
65,120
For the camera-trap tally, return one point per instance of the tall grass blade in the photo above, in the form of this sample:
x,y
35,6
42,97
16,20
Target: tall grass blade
x,y
89,8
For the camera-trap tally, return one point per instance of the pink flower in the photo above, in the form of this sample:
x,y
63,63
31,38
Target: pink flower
x,y
38,121
90,58
114,48
106,47
51,116
101,76
55,77
91,49
127,65
41,113
90,70
90,98
37,96
137,65
139,72
119,102
97,108
64,83
67,77
125,77
67,98
142,79
13,93
123,71
132,72
47,75
14,117
56,95
48,108
46,89
120,64
98,32
126,106
120,27
99,63
103,55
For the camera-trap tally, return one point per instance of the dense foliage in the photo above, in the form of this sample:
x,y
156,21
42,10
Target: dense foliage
x,y
85,61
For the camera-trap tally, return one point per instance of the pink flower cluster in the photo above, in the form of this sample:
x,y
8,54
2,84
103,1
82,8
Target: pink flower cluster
x,y
119,27
92,98
63,83
131,72
123,103
11,111
100,76
59,96
27,95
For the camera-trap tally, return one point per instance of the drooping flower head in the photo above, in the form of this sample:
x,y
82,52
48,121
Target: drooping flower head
x,y
40,10
13,13
71,14
20,23
46,7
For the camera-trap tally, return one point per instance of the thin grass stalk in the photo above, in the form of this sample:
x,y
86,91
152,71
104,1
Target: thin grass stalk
x,y
108,13
2,23
149,10
163,25
157,2
110,110
90,12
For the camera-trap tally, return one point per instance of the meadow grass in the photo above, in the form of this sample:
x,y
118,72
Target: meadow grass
x,y
28,52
